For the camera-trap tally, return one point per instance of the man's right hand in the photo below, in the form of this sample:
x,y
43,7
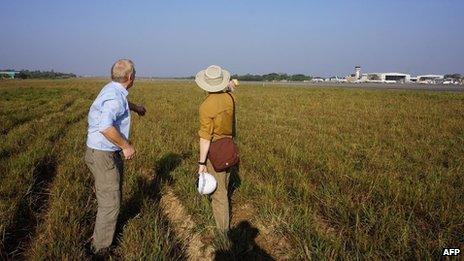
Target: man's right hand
x,y
114,136
129,152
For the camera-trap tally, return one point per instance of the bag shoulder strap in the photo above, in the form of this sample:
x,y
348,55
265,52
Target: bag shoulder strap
x,y
234,131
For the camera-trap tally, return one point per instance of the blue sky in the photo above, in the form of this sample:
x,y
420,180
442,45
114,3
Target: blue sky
x,y
178,38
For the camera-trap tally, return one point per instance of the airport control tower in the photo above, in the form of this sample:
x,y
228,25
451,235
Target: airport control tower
x,y
357,72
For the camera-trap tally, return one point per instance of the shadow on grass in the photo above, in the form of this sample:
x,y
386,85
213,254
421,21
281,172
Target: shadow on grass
x,y
234,183
149,188
241,244
33,205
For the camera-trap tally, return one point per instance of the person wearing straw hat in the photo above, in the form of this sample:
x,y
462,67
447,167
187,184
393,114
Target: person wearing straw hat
x,y
216,115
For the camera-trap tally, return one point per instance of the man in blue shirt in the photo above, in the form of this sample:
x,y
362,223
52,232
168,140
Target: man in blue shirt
x,y
107,142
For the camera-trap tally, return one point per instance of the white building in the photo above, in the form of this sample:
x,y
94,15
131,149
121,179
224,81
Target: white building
x,y
317,79
392,77
8,74
430,78
357,72
389,77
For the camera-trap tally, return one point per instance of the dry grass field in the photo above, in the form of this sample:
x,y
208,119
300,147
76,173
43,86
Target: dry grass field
x,y
325,173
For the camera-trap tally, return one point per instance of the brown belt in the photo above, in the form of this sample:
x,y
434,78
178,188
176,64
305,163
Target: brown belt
x,y
104,151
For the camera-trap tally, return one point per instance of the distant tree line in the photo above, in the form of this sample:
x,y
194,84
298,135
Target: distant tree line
x,y
272,77
26,74
455,76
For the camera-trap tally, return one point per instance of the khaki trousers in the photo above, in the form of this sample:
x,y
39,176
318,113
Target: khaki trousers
x,y
107,168
220,198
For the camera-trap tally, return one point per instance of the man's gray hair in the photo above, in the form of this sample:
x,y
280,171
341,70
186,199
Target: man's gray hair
x,y
121,70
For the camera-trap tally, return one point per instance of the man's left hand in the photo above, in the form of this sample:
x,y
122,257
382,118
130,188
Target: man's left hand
x,y
140,110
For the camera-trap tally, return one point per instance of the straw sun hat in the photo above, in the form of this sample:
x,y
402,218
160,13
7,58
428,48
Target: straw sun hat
x,y
213,79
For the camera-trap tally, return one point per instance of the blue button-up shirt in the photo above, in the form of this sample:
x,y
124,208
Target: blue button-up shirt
x,y
110,108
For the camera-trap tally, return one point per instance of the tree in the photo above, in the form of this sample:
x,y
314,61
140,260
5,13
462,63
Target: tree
x,y
272,77
300,77
455,76
26,74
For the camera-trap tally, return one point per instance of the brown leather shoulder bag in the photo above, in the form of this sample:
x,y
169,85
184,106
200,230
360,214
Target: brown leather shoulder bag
x,y
223,153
